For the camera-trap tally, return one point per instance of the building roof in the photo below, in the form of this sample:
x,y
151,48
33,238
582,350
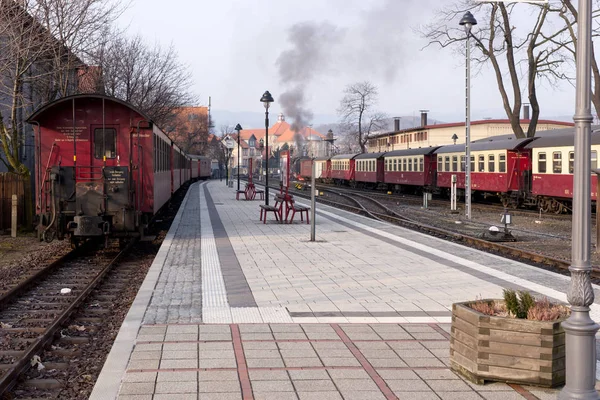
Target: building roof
x,y
462,124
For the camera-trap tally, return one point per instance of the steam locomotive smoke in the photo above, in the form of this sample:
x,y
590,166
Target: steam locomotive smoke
x,y
297,67
370,49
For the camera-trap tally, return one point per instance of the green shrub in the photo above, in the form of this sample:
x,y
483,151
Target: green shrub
x,y
518,304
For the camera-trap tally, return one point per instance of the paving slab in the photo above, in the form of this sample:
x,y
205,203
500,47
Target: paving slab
x,y
236,309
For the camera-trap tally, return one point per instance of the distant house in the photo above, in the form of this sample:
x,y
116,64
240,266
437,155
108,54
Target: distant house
x,y
305,142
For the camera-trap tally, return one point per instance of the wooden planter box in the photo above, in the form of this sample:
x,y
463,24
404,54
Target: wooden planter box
x,y
488,348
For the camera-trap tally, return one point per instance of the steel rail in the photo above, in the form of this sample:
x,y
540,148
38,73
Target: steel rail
x,y
9,378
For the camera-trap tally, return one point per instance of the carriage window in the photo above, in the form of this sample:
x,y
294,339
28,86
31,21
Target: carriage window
x,y
404,167
415,164
557,162
542,163
572,162
105,143
491,163
594,160
481,163
447,164
410,164
472,163
440,163
462,163
502,163
421,164
454,163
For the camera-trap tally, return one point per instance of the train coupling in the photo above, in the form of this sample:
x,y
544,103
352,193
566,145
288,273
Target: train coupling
x,y
84,225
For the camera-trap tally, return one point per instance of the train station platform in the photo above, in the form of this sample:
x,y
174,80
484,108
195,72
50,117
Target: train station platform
x,y
236,309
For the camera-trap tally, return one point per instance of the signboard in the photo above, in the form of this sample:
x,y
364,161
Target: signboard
x,y
285,169
229,143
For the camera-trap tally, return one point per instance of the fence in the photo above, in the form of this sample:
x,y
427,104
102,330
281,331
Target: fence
x,y
10,184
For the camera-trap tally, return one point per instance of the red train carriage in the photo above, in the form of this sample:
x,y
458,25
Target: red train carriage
x,y
322,168
499,167
342,168
102,168
369,169
200,167
553,160
411,169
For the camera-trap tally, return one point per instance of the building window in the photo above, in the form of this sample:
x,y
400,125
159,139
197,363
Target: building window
x,y
491,163
502,163
105,143
542,163
557,162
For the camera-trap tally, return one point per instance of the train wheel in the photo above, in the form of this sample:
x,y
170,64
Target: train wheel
x,y
75,243
506,202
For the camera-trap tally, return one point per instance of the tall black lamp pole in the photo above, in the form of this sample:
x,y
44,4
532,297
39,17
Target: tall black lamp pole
x,y
267,99
238,128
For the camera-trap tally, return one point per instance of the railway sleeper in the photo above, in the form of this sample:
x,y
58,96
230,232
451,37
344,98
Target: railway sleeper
x,y
74,339
44,384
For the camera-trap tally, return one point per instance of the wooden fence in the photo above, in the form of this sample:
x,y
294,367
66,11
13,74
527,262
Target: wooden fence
x,y
10,184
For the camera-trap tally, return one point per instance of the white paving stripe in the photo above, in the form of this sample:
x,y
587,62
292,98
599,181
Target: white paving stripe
x,y
595,308
215,307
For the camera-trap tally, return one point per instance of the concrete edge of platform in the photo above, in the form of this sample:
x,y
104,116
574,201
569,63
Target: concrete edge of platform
x,y
109,381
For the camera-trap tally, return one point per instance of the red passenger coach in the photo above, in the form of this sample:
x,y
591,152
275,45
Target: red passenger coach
x,y
200,167
411,168
323,168
499,167
553,158
369,169
342,168
102,168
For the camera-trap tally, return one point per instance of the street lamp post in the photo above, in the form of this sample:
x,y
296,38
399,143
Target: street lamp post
x,y
580,329
468,20
267,99
238,128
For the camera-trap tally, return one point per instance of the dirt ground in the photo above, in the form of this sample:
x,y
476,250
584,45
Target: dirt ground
x,y
24,254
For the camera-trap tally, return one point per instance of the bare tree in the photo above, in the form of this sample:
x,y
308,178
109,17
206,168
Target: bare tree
x,y
35,36
217,149
150,78
189,129
537,54
356,110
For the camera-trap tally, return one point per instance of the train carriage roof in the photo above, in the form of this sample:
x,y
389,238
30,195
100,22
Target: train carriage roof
x,y
412,152
48,106
501,142
560,138
198,157
368,155
344,156
322,158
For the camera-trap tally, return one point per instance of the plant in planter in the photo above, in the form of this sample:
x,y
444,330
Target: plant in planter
x,y
518,339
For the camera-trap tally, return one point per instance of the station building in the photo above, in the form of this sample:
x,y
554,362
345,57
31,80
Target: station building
x,y
452,133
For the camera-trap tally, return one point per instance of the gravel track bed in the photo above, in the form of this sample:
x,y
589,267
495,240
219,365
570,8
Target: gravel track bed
x,y
81,363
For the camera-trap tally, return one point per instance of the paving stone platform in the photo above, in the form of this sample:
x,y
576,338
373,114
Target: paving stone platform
x,y
236,309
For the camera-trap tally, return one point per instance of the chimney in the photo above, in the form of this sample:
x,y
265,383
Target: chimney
x,y
396,124
526,111
424,117
280,118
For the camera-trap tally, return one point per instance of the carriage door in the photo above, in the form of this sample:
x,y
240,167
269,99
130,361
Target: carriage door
x,y
103,154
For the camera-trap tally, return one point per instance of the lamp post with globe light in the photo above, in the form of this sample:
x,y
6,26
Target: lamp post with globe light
x,y
467,21
238,128
267,99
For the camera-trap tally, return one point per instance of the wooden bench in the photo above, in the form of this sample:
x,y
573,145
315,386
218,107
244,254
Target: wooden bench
x,y
275,209
238,192
294,208
261,193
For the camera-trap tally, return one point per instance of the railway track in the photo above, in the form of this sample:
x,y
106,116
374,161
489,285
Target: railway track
x,y
33,312
415,200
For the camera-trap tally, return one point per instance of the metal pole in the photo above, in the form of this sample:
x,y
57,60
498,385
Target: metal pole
x,y
597,209
238,160
13,222
313,202
267,156
580,329
468,133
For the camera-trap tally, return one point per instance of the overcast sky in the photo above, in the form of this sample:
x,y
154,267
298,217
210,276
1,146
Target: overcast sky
x,y
233,46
